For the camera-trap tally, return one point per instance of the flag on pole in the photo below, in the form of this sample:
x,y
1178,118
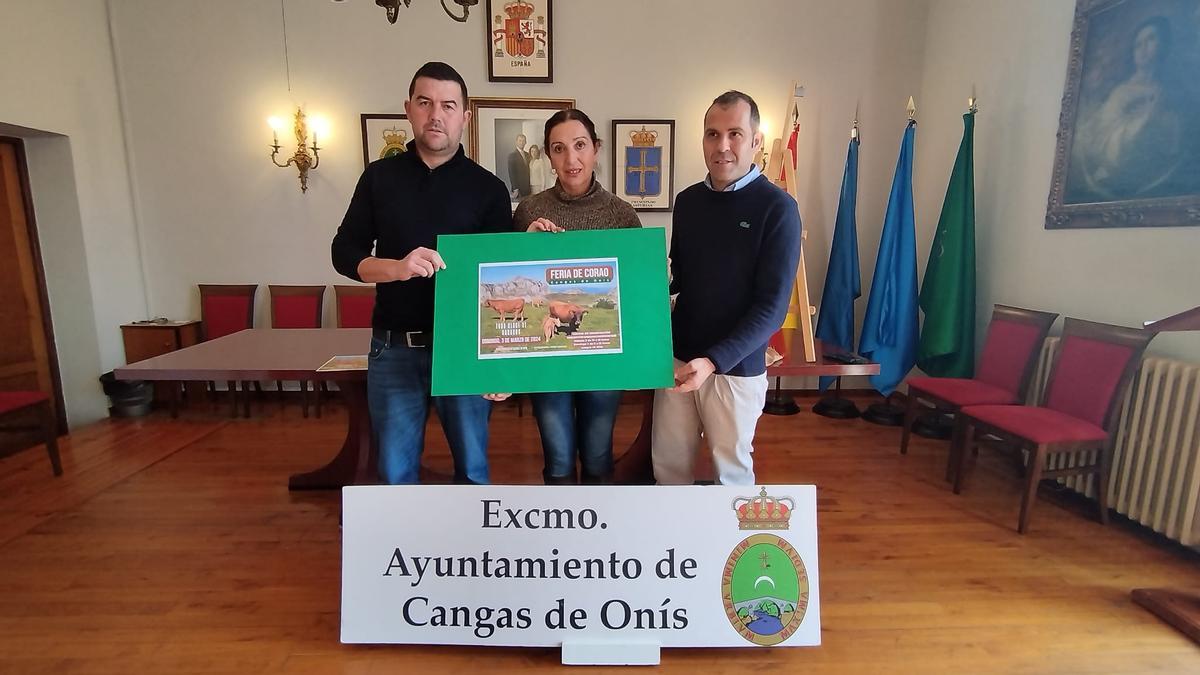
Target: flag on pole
x,y
793,141
889,334
792,318
947,346
843,285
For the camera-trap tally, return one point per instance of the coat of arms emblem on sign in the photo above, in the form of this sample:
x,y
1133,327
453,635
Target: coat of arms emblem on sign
x,y
764,586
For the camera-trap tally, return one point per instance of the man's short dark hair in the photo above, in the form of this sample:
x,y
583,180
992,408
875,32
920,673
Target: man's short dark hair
x,y
731,98
436,70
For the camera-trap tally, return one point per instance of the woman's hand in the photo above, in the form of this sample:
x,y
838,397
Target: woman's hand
x,y
497,397
543,225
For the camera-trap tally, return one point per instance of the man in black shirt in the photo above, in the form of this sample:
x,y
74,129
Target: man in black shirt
x,y
400,206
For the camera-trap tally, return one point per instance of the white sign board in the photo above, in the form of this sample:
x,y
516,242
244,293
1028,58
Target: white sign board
x,y
695,566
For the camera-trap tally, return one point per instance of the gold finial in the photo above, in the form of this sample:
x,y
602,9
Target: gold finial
x,y
912,109
854,127
972,102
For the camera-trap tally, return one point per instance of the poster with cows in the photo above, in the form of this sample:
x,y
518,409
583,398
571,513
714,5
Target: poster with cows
x,y
549,308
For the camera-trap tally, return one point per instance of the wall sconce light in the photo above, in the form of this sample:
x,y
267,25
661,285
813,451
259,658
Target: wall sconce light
x,y
302,159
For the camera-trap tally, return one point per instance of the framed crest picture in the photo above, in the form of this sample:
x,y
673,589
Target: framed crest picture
x,y
518,34
1128,151
384,135
643,163
506,139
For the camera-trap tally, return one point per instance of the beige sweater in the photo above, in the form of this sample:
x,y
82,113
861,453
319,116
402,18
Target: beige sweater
x,y
597,209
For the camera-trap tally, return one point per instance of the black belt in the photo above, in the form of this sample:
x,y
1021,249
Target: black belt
x,y
417,339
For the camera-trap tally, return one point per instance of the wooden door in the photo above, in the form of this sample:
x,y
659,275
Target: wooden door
x,y
27,359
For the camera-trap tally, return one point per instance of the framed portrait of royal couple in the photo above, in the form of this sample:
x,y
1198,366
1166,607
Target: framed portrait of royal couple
x,y
1128,150
506,139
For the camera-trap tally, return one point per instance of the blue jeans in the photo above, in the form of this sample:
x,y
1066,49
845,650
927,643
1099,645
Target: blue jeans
x,y
577,424
398,397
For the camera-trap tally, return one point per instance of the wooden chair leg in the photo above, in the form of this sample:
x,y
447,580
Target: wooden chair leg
x,y
246,399
1037,463
319,389
173,399
965,451
910,416
304,398
1101,477
957,439
50,427
233,402
279,393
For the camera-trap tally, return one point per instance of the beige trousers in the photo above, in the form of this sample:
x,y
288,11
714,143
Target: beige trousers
x,y
724,411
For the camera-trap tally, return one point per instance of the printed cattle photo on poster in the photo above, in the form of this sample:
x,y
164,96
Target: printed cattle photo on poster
x,y
1129,134
549,308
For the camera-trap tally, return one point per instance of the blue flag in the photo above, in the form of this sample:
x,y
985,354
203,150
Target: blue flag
x,y
889,334
835,325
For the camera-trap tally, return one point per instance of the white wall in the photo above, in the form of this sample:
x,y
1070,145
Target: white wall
x,y
1015,53
200,79
57,83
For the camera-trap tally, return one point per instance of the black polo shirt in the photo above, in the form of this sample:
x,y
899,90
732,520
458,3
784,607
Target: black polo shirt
x,y
400,205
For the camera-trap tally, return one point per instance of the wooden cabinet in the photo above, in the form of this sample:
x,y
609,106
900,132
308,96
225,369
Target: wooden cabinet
x,y
147,340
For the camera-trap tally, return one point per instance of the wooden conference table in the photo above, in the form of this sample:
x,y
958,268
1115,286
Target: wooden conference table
x,y
295,354
283,354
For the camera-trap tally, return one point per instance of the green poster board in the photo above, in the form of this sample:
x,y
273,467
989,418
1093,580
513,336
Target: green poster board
x,y
533,311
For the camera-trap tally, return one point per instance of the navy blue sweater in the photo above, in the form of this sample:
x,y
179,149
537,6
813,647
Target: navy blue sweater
x,y
733,261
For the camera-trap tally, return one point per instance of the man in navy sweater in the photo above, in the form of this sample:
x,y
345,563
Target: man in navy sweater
x,y
735,245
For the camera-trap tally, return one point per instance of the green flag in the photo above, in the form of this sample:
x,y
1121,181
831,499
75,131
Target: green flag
x,y
947,347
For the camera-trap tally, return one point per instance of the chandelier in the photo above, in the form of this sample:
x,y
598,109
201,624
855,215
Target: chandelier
x,y
393,8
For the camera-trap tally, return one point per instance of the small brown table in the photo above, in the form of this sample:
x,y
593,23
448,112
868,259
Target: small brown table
x,y
147,339
283,354
794,365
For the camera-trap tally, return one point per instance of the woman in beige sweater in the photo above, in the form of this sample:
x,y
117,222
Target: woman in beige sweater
x,y
575,426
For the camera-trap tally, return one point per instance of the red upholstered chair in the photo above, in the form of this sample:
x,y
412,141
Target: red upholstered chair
x,y
1078,414
297,307
355,305
227,309
1010,353
14,402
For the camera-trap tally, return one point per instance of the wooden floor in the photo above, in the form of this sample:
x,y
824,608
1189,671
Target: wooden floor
x,y
173,546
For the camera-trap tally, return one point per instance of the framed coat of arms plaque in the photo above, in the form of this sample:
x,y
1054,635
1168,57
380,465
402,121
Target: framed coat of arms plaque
x,y
643,161
519,41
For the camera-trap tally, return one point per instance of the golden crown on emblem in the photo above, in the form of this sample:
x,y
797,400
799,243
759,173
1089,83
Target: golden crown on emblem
x,y
519,9
643,138
395,136
763,512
